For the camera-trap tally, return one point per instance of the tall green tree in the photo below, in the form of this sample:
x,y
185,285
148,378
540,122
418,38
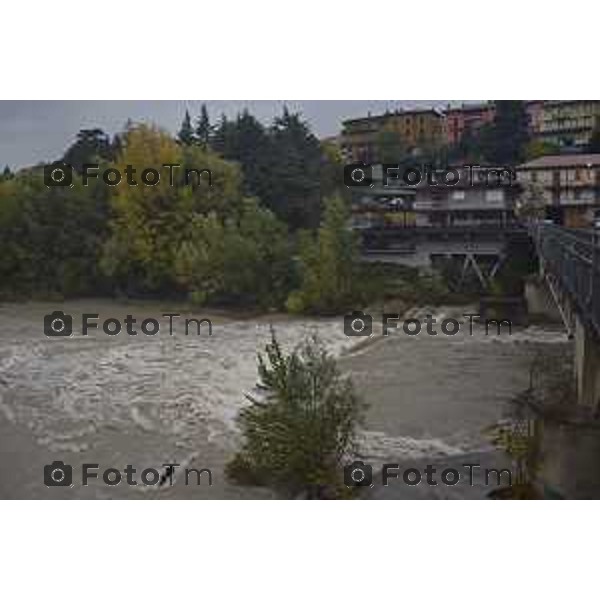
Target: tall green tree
x,y
246,142
186,132
203,128
328,262
92,146
504,141
332,171
6,174
283,165
294,173
222,136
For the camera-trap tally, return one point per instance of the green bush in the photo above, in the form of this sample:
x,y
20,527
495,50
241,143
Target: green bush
x,y
299,432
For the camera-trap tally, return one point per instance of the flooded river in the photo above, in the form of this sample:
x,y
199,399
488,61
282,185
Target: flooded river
x,y
149,400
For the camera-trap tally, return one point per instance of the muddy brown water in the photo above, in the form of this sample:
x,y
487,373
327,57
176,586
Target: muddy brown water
x,y
150,400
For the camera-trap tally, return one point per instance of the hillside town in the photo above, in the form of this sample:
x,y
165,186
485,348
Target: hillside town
x,y
556,176
566,126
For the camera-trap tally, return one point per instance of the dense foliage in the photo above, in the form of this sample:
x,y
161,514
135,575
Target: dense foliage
x,y
330,280
234,241
244,260
51,238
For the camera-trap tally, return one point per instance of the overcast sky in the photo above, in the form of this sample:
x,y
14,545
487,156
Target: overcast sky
x,y
33,132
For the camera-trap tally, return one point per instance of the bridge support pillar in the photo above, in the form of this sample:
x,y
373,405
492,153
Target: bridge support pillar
x,y
587,366
539,299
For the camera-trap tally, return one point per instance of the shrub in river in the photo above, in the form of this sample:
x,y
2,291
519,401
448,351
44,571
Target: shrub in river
x,y
298,433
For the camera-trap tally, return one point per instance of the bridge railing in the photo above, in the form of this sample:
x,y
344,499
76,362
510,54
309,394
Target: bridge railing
x,y
572,256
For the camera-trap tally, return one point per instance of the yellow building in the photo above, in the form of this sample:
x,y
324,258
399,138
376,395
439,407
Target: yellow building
x,y
362,138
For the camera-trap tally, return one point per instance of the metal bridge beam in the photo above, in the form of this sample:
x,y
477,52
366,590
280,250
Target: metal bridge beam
x,y
570,264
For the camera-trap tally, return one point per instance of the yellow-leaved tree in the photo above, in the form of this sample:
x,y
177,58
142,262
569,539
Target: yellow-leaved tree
x,y
152,217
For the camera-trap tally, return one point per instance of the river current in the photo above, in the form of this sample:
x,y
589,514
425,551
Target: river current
x,y
148,400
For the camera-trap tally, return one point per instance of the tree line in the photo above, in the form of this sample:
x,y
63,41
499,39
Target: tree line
x,y
271,230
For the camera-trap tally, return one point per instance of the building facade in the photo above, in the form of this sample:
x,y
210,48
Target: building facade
x,y
570,123
567,186
362,138
468,117
478,205
477,202
567,124
534,116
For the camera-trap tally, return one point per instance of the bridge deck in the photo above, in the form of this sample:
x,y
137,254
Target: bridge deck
x,y
572,258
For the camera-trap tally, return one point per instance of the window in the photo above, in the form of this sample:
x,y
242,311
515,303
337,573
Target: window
x,y
458,194
494,195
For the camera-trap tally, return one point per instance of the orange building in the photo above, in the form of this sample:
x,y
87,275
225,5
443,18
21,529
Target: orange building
x,y
361,138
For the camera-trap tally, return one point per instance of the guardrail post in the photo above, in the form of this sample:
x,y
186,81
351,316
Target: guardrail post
x,y
593,299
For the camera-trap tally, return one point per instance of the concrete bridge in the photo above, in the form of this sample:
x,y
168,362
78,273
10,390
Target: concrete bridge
x,y
569,279
567,284
569,271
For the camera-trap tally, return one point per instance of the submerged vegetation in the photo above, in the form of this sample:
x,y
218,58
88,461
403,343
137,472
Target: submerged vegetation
x,y
302,426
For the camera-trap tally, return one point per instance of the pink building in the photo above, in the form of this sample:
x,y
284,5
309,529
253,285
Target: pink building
x,y
534,116
467,117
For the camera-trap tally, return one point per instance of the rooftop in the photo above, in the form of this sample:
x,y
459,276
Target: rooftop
x,y
470,107
387,115
562,160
